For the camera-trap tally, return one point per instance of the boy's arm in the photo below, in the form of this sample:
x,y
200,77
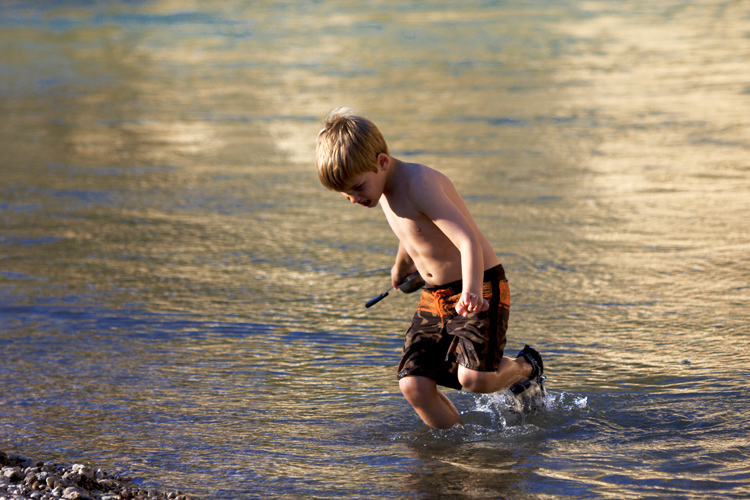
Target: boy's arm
x,y
438,202
403,267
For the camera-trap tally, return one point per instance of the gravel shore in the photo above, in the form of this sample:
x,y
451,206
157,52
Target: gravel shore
x,y
24,478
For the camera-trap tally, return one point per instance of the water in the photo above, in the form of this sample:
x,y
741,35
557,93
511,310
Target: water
x,y
181,300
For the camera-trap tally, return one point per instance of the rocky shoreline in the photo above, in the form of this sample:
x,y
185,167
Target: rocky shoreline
x,y
22,478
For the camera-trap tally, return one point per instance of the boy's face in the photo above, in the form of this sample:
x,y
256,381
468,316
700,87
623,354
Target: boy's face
x,y
365,189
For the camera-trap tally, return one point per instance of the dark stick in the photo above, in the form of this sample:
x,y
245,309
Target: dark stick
x,y
377,299
410,284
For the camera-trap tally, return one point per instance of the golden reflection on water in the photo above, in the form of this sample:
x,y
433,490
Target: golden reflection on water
x,y
651,152
162,167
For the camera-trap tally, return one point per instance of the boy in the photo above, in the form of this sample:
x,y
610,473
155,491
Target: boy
x,y
457,335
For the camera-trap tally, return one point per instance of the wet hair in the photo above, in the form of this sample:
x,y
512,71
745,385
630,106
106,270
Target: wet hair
x,y
348,146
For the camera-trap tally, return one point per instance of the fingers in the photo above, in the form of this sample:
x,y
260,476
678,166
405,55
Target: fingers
x,y
396,282
471,302
396,278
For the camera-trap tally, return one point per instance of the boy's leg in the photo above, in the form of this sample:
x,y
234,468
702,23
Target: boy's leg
x,y
508,373
430,403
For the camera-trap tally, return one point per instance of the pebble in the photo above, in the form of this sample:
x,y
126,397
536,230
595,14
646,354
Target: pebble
x,y
22,478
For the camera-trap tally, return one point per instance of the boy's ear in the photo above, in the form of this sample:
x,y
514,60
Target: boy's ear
x,y
384,161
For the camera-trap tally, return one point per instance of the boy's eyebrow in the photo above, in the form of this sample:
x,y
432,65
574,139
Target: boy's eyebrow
x,y
350,185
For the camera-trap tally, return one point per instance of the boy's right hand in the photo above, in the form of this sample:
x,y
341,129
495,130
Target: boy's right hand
x,y
398,275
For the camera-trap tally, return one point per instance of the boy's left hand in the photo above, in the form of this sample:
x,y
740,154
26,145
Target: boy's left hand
x,y
471,302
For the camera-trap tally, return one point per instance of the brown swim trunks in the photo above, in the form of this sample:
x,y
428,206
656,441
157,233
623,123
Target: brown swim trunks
x,y
439,339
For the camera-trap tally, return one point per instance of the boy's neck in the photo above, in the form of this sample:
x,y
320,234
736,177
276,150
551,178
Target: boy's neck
x,y
392,174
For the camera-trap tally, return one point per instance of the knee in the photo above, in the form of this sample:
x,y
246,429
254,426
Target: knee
x,y
416,389
474,381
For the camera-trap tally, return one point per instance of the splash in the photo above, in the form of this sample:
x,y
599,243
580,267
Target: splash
x,y
499,415
502,409
567,402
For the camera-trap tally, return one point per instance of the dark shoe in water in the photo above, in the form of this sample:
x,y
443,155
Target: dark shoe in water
x,y
537,371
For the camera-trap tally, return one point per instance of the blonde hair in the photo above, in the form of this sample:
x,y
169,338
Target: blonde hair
x,y
348,145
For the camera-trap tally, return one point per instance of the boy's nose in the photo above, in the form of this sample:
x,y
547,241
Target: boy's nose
x,y
351,198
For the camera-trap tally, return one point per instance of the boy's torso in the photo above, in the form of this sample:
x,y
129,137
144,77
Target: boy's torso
x,y
436,257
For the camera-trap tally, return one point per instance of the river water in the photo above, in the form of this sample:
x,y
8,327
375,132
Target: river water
x,y
181,300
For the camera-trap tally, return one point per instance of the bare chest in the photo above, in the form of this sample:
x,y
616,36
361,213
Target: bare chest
x,y
412,227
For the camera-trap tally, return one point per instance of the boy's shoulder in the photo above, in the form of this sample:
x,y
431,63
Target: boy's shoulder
x,y
420,186
418,176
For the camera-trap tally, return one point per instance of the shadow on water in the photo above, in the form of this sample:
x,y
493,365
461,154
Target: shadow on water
x,y
179,395
494,452
611,445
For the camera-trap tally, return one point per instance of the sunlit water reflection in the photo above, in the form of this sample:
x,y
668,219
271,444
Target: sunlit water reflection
x,y
180,299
